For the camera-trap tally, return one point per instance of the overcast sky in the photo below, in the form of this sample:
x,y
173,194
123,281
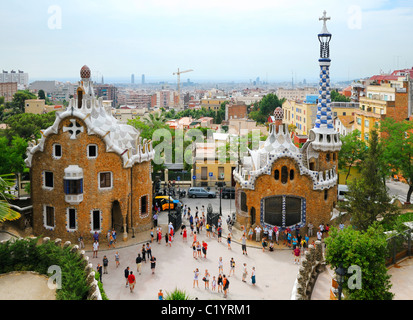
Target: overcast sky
x,y
220,40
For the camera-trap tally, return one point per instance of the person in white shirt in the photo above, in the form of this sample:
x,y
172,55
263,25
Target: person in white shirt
x,y
257,233
95,249
319,235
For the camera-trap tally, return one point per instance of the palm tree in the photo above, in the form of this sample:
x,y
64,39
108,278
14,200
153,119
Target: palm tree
x,y
154,120
6,212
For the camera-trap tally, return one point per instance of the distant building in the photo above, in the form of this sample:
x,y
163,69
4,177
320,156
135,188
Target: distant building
x,y
296,94
38,106
21,77
132,80
143,79
107,92
236,111
7,90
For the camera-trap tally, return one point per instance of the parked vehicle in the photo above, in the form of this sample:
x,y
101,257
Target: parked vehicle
x,y
200,193
166,202
342,190
228,193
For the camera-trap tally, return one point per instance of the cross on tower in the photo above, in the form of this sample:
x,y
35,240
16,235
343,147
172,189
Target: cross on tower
x,y
325,18
74,129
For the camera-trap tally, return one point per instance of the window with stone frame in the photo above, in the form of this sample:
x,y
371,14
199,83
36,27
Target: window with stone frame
x,y
96,220
71,219
57,151
92,151
243,202
277,175
105,180
49,216
144,205
48,181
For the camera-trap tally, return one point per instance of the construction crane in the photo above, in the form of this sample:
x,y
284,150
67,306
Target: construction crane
x,y
178,73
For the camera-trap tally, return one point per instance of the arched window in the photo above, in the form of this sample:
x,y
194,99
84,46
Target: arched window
x,y
334,156
277,175
328,157
325,194
291,174
284,175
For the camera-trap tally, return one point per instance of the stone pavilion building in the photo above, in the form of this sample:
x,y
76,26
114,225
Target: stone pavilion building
x,y
90,173
282,185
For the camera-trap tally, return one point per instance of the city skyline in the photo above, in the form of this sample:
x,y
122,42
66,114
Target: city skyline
x,y
222,41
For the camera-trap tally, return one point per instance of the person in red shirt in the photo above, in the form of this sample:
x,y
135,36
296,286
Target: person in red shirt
x,y
204,248
184,234
296,253
132,281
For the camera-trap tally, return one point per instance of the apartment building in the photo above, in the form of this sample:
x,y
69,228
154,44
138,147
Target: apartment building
x,y
7,90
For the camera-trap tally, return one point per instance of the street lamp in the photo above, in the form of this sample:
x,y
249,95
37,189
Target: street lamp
x,y
220,185
340,273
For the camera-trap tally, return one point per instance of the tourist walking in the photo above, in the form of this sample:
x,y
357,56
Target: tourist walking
x,y
196,276
117,259
153,264
253,280
225,283
185,235
100,271
204,248
143,253
229,238
244,273
194,249
105,264
148,250
220,282
126,272
310,229
214,283
219,232
81,242
160,295
296,253
95,249
206,279
231,267
132,281
198,249
139,263
220,266
257,233
250,233
244,244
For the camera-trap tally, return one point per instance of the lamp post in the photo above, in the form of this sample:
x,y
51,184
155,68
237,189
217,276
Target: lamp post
x,y
220,185
340,273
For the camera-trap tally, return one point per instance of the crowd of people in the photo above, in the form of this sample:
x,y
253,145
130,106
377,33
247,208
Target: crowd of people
x,y
197,224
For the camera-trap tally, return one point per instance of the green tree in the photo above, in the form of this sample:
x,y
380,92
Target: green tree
x,y
12,155
19,98
41,95
368,197
260,112
28,126
397,140
6,212
337,97
352,152
366,251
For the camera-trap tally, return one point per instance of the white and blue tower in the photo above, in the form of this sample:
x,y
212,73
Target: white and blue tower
x,y
323,135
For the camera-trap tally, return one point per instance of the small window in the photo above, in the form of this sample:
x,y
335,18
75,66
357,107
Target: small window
x,y
105,180
291,174
144,205
328,157
243,201
48,179
284,175
49,217
92,151
57,151
334,156
325,194
96,220
71,218
277,175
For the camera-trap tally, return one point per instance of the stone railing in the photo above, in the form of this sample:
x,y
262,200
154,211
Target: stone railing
x,y
94,292
311,265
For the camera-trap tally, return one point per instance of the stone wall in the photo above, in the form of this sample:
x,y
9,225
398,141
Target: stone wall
x,y
312,263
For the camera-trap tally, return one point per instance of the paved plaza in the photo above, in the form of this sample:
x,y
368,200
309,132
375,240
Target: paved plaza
x,y
275,271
